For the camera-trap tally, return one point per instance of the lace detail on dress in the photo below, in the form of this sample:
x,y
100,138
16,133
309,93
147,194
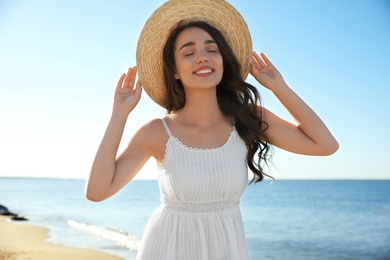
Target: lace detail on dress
x,y
203,149
200,207
193,148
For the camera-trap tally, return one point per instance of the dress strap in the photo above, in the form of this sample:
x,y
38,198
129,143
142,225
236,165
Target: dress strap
x,y
166,127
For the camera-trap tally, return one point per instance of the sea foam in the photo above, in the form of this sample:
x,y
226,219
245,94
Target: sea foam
x,y
122,238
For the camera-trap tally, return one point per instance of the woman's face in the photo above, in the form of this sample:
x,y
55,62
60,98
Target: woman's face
x,y
199,63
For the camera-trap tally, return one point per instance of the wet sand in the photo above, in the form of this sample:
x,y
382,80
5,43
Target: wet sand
x,y
20,240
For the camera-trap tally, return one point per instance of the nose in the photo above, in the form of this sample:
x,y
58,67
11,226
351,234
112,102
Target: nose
x,y
203,57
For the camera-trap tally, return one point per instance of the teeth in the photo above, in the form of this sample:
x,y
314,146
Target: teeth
x,y
203,71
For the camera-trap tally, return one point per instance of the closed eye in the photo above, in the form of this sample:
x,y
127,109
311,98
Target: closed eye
x,y
189,54
213,50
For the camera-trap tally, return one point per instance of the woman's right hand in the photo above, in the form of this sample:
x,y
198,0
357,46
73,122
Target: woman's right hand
x,y
126,94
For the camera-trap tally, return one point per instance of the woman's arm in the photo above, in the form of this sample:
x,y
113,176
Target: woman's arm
x,y
108,174
309,135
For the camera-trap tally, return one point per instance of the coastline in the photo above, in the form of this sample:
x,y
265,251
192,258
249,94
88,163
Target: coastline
x,y
24,241
330,233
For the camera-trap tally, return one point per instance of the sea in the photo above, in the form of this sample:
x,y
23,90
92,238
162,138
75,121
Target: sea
x,y
289,219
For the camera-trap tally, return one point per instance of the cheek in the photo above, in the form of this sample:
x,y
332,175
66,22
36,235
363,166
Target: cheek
x,y
178,68
220,63
178,71
182,67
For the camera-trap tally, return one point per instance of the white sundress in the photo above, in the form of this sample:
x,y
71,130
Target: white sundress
x,y
199,217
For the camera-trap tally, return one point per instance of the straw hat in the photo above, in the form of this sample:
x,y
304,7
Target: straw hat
x,y
157,28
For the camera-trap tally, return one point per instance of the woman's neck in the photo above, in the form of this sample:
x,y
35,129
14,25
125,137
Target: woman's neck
x,y
201,109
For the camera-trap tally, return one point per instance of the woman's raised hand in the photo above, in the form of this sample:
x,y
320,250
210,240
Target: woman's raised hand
x,y
127,92
265,72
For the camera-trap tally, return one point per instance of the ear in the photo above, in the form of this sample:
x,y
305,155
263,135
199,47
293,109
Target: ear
x,y
176,76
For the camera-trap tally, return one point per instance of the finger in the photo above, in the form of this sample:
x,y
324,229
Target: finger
x,y
120,81
259,60
252,69
139,82
266,60
255,64
138,87
130,78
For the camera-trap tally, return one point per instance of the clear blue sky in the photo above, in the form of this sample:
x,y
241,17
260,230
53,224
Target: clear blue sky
x,y
60,61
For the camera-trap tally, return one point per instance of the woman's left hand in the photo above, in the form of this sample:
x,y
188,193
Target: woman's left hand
x,y
309,135
265,72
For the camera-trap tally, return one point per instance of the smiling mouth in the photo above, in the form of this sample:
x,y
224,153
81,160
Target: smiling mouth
x,y
204,71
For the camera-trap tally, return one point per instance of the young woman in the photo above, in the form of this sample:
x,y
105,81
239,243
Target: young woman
x,y
214,130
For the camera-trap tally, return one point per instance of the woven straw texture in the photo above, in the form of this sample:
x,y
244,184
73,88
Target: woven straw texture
x,y
157,28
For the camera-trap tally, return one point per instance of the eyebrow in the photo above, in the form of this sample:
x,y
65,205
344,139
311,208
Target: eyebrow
x,y
193,43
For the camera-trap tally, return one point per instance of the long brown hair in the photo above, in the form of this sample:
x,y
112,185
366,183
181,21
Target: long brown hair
x,y
236,98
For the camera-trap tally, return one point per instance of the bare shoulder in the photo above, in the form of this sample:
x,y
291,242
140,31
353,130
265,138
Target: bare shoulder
x,y
268,116
154,135
262,110
153,126
151,131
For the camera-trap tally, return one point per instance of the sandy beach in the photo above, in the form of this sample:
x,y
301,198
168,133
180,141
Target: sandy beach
x,y
24,241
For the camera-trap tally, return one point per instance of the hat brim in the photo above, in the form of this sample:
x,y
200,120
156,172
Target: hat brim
x,y
217,13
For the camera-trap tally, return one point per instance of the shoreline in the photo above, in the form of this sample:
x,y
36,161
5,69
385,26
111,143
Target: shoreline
x,y
25,241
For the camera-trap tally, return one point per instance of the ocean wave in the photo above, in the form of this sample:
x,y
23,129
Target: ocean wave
x,y
122,238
